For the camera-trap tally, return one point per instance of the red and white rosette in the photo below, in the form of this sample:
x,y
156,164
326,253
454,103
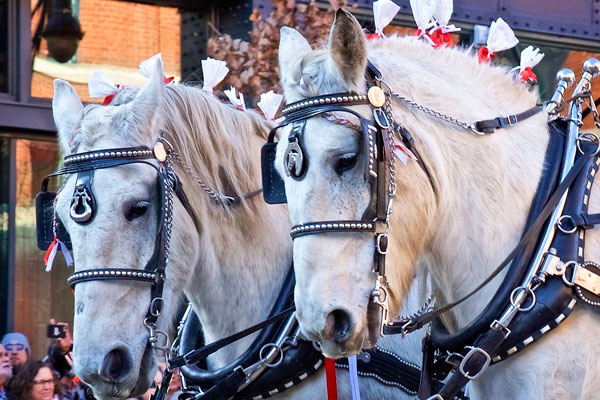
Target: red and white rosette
x,y
384,12
269,104
101,86
147,66
530,57
500,37
440,33
423,14
237,99
213,71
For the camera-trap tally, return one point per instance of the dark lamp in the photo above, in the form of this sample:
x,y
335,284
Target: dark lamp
x,y
62,32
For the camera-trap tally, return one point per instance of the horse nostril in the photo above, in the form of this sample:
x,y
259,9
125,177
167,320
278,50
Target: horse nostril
x,y
116,365
338,326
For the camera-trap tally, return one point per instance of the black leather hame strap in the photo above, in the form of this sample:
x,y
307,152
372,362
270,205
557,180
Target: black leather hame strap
x,y
489,125
405,327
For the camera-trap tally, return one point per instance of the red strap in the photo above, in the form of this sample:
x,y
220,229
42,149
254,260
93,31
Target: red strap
x,y
331,381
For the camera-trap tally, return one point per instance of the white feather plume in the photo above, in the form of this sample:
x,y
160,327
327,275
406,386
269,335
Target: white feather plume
x,y
236,100
384,12
500,37
269,104
213,71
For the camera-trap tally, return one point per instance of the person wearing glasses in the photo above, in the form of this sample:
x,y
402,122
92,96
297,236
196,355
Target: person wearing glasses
x,y
35,381
18,349
5,372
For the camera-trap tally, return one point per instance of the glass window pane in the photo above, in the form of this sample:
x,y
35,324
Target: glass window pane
x,y
39,295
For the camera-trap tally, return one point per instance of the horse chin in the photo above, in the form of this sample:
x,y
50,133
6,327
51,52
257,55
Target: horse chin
x,y
146,376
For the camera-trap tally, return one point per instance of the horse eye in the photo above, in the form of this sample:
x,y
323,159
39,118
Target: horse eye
x,y
137,210
345,162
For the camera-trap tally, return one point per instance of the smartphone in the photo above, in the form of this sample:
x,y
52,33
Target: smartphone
x,y
56,331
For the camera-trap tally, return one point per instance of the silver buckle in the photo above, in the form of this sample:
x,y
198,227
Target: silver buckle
x,y
512,120
497,325
471,353
379,237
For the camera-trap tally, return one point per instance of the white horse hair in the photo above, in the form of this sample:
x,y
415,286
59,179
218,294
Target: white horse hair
x,y
459,227
231,268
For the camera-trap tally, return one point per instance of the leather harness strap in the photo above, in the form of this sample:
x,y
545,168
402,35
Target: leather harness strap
x,y
489,125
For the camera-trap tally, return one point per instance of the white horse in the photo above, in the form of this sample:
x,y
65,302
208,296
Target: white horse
x,y
459,226
230,268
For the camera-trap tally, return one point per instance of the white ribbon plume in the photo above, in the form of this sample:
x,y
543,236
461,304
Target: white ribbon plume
x,y
147,66
384,12
423,13
214,71
100,85
442,14
500,37
234,99
269,104
530,57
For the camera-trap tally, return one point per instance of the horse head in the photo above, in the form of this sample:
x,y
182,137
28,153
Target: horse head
x,y
111,345
334,270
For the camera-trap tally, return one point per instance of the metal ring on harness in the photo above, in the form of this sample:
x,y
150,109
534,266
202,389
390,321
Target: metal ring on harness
x,y
264,358
590,137
559,224
571,282
514,297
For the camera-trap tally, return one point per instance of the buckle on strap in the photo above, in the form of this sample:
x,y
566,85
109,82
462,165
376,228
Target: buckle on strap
x,y
382,243
471,353
511,120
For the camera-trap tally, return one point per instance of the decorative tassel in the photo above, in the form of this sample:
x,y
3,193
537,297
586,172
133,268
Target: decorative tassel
x,y
147,66
423,14
214,71
51,254
500,37
331,379
238,102
269,104
530,57
384,12
353,371
100,85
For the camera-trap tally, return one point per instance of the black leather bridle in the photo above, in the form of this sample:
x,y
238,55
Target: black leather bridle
x,y
84,207
377,142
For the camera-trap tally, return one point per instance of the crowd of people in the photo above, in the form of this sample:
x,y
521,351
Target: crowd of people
x,y
52,378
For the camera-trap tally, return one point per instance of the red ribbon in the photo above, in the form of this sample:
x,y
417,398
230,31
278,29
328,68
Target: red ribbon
x,y
441,39
527,75
331,380
373,36
169,79
52,245
485,54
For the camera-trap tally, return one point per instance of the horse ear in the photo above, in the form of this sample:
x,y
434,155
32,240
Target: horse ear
x,y
67,111
141,112
292,45
347,47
